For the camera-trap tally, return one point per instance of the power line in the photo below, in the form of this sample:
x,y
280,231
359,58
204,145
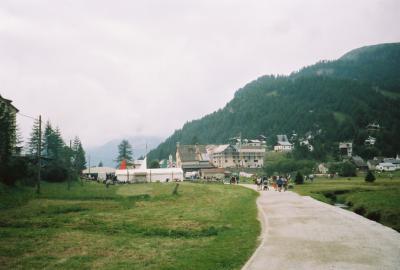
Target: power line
x,y
27,116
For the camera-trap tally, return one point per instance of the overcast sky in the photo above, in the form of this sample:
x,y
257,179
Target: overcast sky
x,y
108,69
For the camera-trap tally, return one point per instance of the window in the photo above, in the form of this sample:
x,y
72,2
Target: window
x,y
255,160
226,161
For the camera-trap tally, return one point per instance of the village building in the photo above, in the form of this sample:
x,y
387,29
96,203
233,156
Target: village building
x,y
373,127
99,173
283,144
216,173
359,163
149,175
242,154
346,149
167,163
323,168
8,108
143,174
387,167
370,141
394,161
251,156
192,158
307,143
372,163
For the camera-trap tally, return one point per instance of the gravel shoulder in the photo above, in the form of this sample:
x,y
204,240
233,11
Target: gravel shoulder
x,y
303,233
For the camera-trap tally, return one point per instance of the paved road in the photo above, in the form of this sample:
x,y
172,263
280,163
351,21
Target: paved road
x,y
303,233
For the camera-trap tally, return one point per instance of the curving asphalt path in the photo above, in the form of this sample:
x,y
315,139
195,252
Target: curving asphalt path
x,y
303,233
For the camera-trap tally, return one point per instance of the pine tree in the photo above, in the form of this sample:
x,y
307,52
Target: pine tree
x,y
79,156
124,152
46,140
34,139
100,164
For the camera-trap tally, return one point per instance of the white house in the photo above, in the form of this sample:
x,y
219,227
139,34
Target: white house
x,y
307,143
143,174
346,149
322,168
385,166
283,144
395,162
370,140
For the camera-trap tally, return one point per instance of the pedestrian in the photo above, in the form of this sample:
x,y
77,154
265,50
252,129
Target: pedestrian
x,y
258,182
274,183
265,183
279,183
285,183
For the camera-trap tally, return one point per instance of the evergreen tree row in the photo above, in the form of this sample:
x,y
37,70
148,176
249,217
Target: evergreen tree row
x,y
59,160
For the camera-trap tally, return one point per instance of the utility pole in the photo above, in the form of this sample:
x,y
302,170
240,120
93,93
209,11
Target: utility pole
x,y
39,158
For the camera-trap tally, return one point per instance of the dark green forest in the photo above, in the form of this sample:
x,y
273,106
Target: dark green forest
x,y
335,100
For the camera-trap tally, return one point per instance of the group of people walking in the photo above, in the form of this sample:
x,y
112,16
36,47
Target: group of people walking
x,y
277,183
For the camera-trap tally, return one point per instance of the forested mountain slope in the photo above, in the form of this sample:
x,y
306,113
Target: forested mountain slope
x,y
337,98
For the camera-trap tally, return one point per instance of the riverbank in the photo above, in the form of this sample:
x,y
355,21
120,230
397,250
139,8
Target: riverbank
x,y
378,201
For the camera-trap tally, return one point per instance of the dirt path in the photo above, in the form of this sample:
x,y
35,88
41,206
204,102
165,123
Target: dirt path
x,y
303,233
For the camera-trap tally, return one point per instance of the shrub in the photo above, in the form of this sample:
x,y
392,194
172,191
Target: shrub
x,y
299,179
370,177
347,169
55,173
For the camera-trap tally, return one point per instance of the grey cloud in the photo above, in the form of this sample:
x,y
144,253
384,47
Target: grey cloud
x,y
102,69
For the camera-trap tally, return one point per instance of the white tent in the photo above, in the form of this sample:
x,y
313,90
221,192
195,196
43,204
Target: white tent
x,y
149,175
164,174
101,172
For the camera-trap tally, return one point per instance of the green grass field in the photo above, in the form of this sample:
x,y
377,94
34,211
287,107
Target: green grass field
x,y
379,201
140,226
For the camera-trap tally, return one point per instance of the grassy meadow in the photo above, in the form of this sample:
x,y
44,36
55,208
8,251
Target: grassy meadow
x,y
138,226
379,201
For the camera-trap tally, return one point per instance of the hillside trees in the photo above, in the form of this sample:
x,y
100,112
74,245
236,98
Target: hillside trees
x,y
339,103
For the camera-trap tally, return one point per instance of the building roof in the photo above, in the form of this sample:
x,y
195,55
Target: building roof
x,y
373,162
282,138
345,144
386,164
251,149
283,143
391,160
8,101
99,170
187,153
196,166
358,161
220,148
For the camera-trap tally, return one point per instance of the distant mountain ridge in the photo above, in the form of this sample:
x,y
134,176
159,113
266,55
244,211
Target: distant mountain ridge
x,y
108,152
337,98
